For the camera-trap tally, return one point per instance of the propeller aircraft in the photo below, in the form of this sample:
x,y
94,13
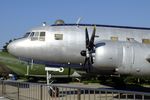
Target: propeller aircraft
x,y
98,49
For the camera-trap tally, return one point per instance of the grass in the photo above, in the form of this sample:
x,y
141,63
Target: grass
x,y
12,63
37,70
5,54
20,67
16,68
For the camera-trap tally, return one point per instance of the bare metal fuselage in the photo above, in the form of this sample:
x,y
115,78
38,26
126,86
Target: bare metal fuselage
x,y
126,55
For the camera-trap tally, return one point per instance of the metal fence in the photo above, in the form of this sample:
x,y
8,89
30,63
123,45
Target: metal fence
x,y
30,91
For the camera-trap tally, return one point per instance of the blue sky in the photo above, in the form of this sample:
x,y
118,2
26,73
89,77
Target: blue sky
x,y
18,16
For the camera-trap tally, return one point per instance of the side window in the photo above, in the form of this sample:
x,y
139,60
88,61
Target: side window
x,y
42,36
114,38
58,36
34,36
146,41
31,35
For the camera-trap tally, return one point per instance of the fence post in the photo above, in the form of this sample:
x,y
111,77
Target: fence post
x,y
18,91
143,97
79,94
3,88
41,92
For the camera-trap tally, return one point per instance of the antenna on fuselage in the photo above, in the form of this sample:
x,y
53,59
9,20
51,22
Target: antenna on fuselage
x,y
78,21
44,24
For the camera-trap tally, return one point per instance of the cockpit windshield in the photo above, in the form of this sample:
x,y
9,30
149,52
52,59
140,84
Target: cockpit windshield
x,y
35,36
27,34
39,35
32,34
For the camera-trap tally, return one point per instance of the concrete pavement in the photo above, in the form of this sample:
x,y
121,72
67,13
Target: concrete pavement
x,y
3,98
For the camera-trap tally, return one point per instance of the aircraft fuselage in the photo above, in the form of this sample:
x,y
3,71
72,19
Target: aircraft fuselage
x,y
117,49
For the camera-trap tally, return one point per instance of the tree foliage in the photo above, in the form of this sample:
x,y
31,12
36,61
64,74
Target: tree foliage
x,y
5,46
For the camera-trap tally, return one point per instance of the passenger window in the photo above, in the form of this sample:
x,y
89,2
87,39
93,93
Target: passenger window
x,y
146,41
58,36
42,36
114,38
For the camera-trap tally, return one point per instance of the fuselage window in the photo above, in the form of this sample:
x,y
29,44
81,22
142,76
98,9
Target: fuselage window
x,y
146,41
114,38
58,36
42,36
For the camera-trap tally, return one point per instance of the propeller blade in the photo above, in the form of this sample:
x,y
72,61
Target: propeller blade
x,y
87,64
89,47
86,37
91,43
86,60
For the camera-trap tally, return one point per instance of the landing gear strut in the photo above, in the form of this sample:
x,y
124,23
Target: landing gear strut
x,y
53,91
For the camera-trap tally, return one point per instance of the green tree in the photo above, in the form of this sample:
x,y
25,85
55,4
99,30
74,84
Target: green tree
x,y
5,46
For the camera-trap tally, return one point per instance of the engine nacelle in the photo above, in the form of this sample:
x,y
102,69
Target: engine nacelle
x,y
108,55
121,58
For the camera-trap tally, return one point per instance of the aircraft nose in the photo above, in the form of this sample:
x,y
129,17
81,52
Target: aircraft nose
x,y
12,48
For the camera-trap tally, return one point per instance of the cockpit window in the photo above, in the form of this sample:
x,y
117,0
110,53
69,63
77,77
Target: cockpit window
x,y
42,33
27,34
34,36
37,36
42,36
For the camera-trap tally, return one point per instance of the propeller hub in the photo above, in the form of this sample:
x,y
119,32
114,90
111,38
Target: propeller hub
x,y
87,53
83,53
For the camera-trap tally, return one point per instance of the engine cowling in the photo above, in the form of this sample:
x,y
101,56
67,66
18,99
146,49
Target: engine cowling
x,y
107,56
121,58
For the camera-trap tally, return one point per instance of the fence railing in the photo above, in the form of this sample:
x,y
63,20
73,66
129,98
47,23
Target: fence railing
x,y
31,91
